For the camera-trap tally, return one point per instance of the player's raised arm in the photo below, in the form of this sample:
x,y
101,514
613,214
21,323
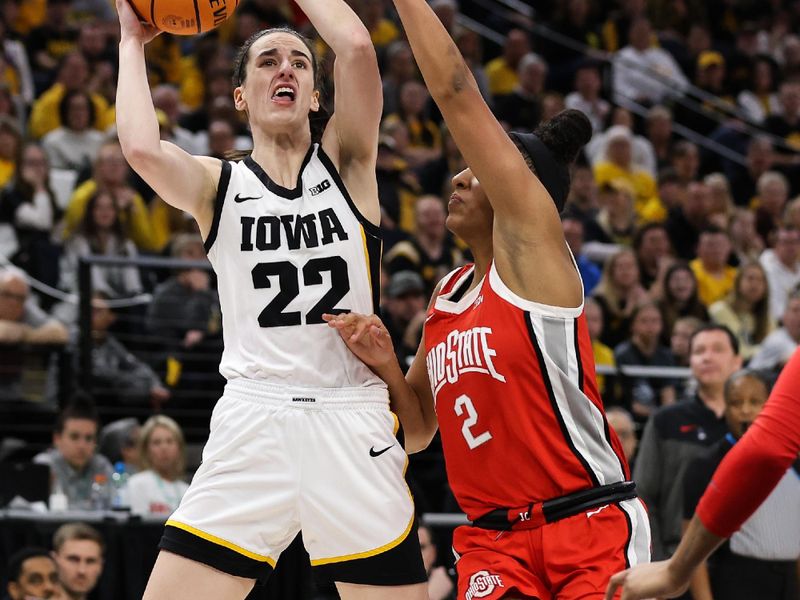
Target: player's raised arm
x,y
181,180
352,134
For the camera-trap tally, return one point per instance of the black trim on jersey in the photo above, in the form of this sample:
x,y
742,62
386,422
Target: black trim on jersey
x,y
578,356
462,287
374,251
223,559
368,225
401,565
273,187
630,535
222,191
554,405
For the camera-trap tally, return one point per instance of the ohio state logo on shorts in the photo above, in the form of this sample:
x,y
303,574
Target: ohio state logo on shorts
x,y
481,584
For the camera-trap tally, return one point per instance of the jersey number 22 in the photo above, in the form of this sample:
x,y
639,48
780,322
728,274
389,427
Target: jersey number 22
x,y
288,275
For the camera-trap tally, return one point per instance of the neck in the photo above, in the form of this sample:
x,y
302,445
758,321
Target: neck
x,y
75,595
165,475
430,242
645,346
713,397
712,267
281,155
483,258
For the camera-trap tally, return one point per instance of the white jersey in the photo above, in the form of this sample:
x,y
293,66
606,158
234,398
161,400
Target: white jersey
x,y
283,257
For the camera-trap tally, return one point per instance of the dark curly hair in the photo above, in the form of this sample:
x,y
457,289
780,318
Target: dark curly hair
x,y
565,134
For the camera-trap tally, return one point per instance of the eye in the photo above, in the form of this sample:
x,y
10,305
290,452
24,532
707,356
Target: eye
x,y
300,64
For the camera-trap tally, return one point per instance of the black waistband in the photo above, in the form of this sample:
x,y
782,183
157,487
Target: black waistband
x,y
565,506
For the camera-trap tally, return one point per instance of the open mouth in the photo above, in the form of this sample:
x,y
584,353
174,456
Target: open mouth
x,y
283,95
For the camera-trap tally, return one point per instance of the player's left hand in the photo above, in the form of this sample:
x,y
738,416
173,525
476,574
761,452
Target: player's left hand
x,y
643,582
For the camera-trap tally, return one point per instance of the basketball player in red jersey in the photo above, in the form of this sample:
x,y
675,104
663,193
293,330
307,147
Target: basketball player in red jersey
x,y
760,459
506,361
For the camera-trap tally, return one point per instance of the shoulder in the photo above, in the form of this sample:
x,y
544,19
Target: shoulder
x,y
670,417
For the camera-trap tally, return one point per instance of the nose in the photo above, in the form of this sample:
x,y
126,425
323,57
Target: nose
x,y
461,181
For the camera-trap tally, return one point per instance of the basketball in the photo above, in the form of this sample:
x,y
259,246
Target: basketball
x,y
184,17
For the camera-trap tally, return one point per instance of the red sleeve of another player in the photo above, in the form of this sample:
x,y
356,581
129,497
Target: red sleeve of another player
x,y
757,463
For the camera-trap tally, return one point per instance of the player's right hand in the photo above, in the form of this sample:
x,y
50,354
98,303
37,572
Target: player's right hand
x,y
365,336
130,25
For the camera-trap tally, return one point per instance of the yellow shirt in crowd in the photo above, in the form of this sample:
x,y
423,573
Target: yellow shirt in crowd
x,y
45,116
502,78
711,288
646,201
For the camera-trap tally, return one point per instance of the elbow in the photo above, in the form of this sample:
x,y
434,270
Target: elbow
x,y
139,155
358,47
417,441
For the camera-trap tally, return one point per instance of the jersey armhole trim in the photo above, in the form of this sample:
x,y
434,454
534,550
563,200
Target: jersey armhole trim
x,y
219,200
369,226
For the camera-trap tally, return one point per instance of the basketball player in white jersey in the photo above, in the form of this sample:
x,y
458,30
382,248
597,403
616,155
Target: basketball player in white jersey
x,y
302,438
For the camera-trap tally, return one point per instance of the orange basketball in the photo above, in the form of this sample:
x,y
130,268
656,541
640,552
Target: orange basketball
x,y
184,17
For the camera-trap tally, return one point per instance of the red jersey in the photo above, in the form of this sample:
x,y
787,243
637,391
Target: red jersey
x,y
519,412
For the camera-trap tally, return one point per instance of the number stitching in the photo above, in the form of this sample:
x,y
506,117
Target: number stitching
x,y
464,402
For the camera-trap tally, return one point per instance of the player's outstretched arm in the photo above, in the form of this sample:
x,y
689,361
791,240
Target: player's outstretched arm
x,y
410,395
181,180
352,134
668,578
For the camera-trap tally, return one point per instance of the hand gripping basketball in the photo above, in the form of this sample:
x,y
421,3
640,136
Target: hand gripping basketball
x,y
182,17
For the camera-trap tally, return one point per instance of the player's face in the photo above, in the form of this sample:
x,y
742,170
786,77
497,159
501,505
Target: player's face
x,y
712,359
278,91
38,579
162,450
469,212
79,565
77,441
743,402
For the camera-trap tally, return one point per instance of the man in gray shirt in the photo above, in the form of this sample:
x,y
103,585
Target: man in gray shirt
x,y
73,461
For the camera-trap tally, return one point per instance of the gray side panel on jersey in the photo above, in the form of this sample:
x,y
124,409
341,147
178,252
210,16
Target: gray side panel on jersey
x,y
583,421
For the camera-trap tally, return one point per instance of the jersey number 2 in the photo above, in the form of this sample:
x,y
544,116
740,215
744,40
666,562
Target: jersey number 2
x,y
463,403
273,314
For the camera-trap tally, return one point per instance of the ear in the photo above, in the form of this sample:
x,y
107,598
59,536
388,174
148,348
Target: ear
x,y
56,439
13,590
315,101
238,99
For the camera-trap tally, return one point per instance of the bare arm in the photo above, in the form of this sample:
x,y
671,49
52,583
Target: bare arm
x,y
700,584
182,180
527,225
351,137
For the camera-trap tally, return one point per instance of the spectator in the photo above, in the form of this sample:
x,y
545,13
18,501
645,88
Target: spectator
x,y
720,209
618,294
679,297
643,73
404,304
166,98
653,252
119,442
603,355
49,42
618,164
685,161
521,110
185,310
615,224
36,213
440,586
470,44
782,264
72,460
682,332
574,20
778,347
381,29
715,277
399,69
425,138
747,244
773,192
502,71
10,149
586,97
582,202
642,395
745,311
118,377
75,144
786,124
573,233
111,173
759,159
621,422
78,551
73,74
707,116
676,434
759,560
101,232
435,176
431,252
659,134
643,157
221,139
671,190
760,99
32,573
16,58
159,487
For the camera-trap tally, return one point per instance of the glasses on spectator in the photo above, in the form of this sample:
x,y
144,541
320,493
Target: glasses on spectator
x,y
12,296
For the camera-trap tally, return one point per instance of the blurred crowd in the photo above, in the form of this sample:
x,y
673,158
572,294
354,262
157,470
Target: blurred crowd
x,y
684,209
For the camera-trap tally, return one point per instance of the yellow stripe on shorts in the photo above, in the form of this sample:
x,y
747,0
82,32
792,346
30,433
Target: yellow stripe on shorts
x,y
220,542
